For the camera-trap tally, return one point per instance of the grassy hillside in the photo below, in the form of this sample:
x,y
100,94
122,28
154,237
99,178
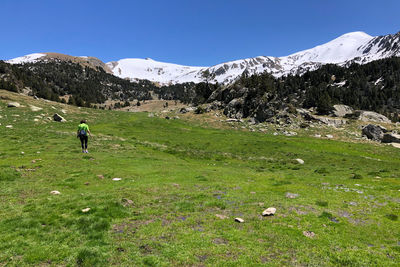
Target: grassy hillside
x,y
177,175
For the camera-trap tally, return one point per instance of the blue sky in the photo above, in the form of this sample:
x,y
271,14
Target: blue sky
x,y
198,33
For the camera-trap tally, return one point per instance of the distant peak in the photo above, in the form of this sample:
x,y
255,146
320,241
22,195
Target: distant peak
x,y
357,34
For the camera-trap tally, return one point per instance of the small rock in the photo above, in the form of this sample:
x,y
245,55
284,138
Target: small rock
x,y
36,120
300,161
176,185
9,126
291,195
34,108
309,234
239,220
64,111
87,183
100,176
127,202
116,179
220,216
13,105
261,204
85,210
252,193
317,136
55,192
329,136
22,152
269,212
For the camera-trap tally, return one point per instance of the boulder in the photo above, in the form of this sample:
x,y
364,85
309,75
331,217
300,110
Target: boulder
x,y
391,138
374,132
58,118
13,104
341,110
368,116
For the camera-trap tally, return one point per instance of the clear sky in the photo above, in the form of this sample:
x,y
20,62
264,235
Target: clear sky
x,y
197,33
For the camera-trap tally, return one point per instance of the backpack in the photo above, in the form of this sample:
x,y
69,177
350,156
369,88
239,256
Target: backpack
x,y
82,133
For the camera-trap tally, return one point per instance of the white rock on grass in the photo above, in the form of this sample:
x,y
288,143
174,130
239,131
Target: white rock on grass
x,y
291,195
220,216
329,136
86,210
55,192
239,220
13,105
309,234
300,161
9,126
269,212
34,108
116,179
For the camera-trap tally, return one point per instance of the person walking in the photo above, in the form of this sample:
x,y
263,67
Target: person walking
x,y
82,133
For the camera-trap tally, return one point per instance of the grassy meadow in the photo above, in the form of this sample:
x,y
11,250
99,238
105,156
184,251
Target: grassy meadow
x,y
182,185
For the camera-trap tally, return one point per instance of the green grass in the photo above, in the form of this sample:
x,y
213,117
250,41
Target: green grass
x,y
179,175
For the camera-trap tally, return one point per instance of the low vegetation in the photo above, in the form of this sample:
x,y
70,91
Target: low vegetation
x,y
182,185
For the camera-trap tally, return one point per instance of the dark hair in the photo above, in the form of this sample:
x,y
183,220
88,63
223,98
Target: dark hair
x,y
83,121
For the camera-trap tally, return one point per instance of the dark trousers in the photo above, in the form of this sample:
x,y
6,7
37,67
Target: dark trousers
x,y
84,141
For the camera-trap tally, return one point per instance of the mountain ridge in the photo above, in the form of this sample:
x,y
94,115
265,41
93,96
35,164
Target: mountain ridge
x,y
357,47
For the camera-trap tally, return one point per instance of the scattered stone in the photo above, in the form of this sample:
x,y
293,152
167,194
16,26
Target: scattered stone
x,y
151,115
239,220
176,185
269,212
300,161
317,136
9,126
220,216
22,152
86,210
291,195
55,192
13,105
329,136
58,118
116,179
309,234
127,202
183,111
261,204
100,176
34,108
252,193
64,111
36,120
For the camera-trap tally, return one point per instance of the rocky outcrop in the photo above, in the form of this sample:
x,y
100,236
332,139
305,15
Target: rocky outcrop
x,y
341,110
368,116
374,132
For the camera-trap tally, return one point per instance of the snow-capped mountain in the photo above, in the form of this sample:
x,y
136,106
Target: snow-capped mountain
x,y
356,47
351,47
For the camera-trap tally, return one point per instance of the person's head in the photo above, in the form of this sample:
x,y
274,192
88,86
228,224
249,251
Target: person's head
x,y
83,121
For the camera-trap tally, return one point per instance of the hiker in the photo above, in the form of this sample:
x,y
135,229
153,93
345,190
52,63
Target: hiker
x,y
82,133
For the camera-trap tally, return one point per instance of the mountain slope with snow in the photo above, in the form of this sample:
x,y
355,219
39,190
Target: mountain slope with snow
x,y
356,47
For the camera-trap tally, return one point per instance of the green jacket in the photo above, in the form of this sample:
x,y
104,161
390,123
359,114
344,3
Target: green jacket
x,y
83,126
